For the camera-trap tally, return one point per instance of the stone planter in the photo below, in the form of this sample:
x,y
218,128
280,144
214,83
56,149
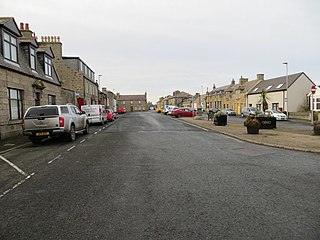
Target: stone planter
x,y
267,122
220,120
253,129
316,128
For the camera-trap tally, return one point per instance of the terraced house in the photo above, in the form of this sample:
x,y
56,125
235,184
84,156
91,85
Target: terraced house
x,y
27,75
132,103
36,73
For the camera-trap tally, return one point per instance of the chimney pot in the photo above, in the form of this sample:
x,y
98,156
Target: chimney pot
x,y
27,26
21,26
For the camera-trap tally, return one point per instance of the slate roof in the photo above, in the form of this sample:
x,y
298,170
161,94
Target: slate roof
x,y
23,65
219,89
132,98
275,84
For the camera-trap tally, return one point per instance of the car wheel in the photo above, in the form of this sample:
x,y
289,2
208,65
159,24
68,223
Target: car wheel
x,y
86,130
35,140
72,134
179,115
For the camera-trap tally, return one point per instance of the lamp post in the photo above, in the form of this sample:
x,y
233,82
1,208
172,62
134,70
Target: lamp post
x,y
99,80
287,86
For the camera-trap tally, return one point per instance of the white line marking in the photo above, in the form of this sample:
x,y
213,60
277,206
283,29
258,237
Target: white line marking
x,y
100,130
14,166
82,140
54,159
71,148
16,185
103,127
95,132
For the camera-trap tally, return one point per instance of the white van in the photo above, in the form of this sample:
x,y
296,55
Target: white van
x,y
95,113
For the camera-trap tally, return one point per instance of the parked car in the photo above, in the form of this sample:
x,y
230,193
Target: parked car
x,y
159,109
95,113
229,112
110,115
40,122
121,110
167,108
171,109
278,115
183,112
246,111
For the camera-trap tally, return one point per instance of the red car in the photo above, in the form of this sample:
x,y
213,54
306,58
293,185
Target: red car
x,y
110,115
121,110
183,112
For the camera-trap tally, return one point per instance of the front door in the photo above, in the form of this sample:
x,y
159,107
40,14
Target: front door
x,y
131,108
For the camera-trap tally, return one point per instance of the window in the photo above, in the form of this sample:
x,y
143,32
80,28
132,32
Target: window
x,y
47,66
275,106
15,103
269,87
32,58
317,100
123,102
131,102
10,50
139,102
37,99
64,110
51,99
258,106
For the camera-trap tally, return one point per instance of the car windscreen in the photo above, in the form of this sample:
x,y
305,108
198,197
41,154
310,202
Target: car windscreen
x,y
43,111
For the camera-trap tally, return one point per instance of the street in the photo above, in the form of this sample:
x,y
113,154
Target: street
x,y
150,176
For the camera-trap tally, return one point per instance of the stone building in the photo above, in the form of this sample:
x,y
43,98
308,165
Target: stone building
x,y
77,79
27,75
132,103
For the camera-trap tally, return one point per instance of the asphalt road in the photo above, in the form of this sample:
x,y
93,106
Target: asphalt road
x,y
149,176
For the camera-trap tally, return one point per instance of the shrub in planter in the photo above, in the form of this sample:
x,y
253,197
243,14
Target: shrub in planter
x,y
316,127
252,124
220,118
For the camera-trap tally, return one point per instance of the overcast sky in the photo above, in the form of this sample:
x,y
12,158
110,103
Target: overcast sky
x,y
159,46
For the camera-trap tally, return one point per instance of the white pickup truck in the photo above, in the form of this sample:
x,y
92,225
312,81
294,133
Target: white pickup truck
x,y
41,122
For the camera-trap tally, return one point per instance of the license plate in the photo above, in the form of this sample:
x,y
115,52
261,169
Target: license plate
x,y
42,133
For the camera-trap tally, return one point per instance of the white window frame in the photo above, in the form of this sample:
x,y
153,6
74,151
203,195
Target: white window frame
x,y
33,59
47,66
15,97
10,49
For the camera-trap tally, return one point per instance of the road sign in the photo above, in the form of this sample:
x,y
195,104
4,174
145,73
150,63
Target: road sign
x,y
313,89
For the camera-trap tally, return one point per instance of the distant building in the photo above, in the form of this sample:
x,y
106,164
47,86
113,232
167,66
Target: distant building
x,y
133,103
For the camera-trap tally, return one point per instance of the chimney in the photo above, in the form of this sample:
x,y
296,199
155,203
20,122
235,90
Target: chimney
x,y
54,43
233,82
243,80
25,31
260,76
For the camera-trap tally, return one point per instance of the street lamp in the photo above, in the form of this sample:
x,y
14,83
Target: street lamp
x,y
287,86
99,79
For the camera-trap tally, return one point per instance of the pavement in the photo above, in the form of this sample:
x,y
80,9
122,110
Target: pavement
x,y
288,138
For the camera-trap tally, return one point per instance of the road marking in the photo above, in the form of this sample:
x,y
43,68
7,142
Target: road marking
x,y
14,166
71,148
103,127
16,185
95,132
100,130
54,159
202,128
82,140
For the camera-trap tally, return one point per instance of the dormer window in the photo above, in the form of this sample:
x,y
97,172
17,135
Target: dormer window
x,y
10,50
32,58
47,66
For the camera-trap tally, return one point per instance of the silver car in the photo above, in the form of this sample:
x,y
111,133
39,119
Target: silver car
x,y
41,122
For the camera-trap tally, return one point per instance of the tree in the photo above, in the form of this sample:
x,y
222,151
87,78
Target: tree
x,y
264,100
